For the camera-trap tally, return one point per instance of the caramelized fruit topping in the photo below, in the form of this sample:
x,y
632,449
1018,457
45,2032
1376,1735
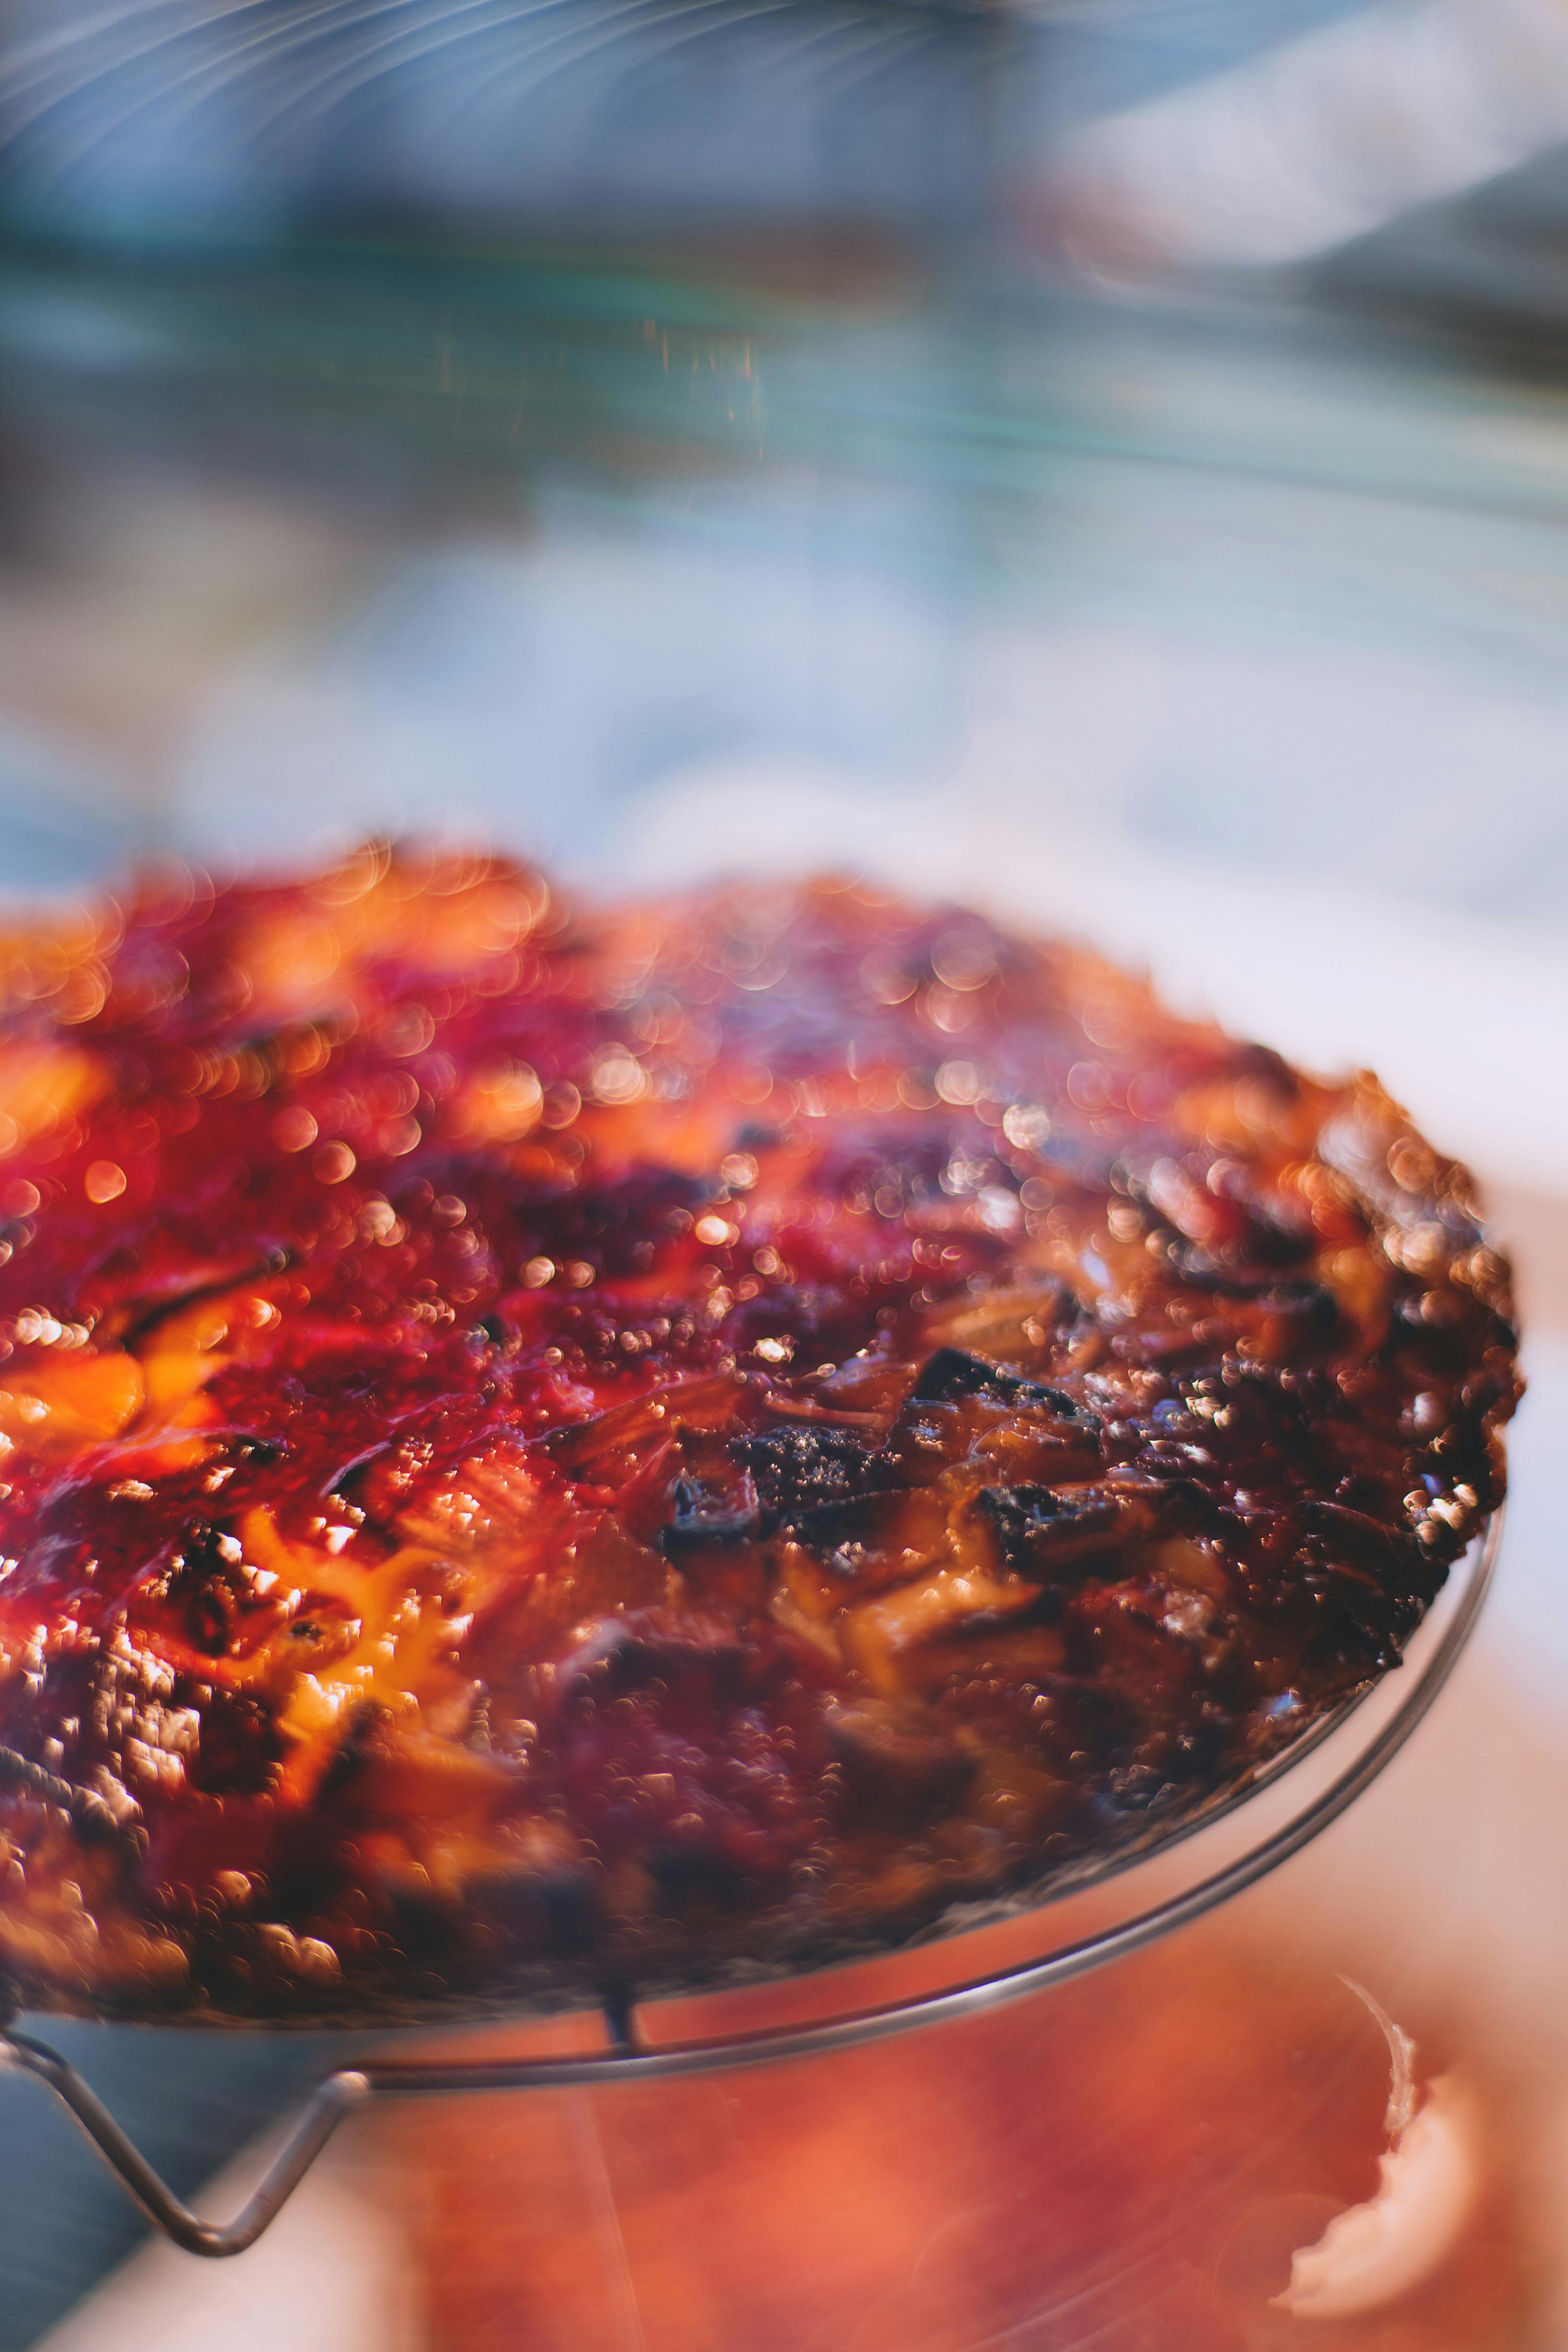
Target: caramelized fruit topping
x,y
539,1444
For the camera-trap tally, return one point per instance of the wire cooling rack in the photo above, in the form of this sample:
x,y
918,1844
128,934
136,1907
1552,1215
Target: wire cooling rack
x,y
630,2056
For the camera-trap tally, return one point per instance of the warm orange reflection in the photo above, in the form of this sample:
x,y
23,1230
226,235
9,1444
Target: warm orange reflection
x,y
1127,2162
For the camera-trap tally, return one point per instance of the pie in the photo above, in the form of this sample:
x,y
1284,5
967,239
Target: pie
x,y
548,1448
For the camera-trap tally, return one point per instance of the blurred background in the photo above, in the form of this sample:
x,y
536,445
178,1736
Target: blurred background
x,y
1105,460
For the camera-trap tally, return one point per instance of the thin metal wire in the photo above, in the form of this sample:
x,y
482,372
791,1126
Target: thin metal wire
x,y
631,2060
320,2116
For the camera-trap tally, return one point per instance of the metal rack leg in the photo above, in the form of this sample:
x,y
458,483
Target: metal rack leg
x,y
339,2096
